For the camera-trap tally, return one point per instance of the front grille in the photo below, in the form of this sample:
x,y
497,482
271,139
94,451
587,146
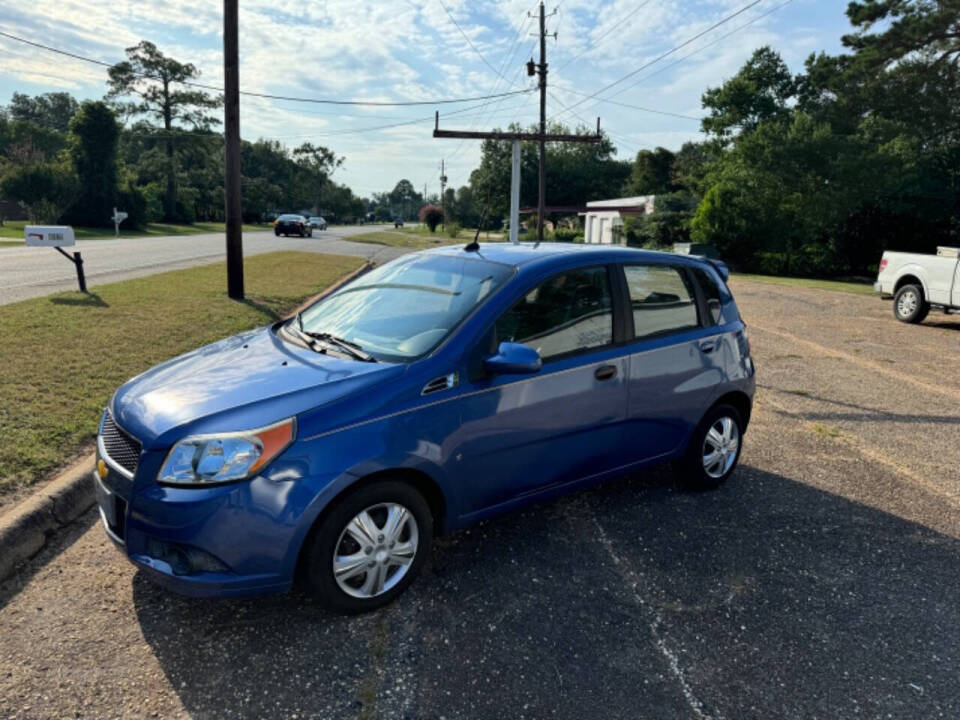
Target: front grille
x,y
119,447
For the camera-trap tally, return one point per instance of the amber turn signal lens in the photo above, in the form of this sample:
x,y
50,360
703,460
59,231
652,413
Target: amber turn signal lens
x,y
101,469
275,440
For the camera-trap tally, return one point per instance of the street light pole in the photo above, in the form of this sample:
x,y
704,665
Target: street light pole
x,y
231,132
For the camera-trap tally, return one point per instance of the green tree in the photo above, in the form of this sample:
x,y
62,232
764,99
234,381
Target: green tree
x,y
157,83
52,111
94,134
652,172
576,172
759,91
45,190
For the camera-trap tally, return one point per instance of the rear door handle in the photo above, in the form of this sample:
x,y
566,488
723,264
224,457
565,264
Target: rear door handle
x,y
605,372
708,346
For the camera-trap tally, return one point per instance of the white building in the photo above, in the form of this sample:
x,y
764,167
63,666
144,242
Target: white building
x,y
603,216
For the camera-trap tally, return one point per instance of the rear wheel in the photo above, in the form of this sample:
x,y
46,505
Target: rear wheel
x,y
714,448
909,305
369,548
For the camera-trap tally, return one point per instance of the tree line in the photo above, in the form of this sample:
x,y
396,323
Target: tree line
x,y
151,148
818,173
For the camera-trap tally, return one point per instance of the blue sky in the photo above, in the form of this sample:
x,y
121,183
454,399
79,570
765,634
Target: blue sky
x,y
412,50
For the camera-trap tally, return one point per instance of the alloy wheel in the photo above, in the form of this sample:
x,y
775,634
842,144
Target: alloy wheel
x,y
720,447
375,550
907,303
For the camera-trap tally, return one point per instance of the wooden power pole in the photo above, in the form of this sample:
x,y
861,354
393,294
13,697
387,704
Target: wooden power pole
x,y
542,137
542,166
231,132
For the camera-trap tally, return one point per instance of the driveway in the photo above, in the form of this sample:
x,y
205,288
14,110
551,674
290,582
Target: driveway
x,y
32,272
821,581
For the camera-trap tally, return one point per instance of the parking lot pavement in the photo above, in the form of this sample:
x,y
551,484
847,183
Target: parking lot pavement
x,y
33,272
819,582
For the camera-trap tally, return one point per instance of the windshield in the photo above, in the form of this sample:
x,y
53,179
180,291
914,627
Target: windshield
x,y
405,308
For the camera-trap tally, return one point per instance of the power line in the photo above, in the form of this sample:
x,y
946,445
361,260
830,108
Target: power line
x,y
628,105
467,37
704,47
669,52
629,17
267,96
525,20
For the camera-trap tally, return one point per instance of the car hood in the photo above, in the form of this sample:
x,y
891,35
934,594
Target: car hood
x,y
243,382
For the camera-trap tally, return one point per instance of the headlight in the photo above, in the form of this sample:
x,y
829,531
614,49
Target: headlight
x,y
210,459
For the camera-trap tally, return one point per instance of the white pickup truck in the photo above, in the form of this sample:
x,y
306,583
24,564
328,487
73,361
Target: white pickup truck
x,y
918,282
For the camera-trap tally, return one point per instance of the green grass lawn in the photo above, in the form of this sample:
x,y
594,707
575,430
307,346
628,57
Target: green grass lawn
x,y
14,229
64,355
858,288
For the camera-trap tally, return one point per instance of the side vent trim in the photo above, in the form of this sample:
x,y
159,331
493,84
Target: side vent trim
x,y
447,382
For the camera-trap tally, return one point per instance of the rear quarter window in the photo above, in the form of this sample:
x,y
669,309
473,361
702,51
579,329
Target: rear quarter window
x,y
712,294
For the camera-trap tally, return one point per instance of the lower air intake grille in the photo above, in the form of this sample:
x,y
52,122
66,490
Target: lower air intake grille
x,y
120,447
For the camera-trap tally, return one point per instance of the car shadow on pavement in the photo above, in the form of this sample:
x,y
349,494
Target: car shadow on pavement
x,y
766,598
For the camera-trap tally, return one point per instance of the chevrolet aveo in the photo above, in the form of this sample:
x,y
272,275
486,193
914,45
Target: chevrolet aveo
x,y
435,391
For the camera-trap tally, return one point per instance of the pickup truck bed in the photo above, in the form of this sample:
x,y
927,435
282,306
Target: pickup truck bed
x,y
920,282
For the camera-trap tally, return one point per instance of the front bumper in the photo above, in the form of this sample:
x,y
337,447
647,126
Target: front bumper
x,y
229,540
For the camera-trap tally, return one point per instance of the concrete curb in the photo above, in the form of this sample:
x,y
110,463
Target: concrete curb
x,y
24,529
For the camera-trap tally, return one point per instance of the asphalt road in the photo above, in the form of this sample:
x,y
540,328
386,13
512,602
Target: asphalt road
x,y
820,582
32,272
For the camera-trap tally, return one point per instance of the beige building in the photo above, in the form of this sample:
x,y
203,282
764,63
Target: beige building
x,y
603,217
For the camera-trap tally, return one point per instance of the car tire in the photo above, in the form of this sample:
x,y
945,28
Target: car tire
x,y
277,233
356,591
909,305
714,449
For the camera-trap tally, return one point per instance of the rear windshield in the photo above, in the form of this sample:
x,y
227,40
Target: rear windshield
x,y
404,309
290,217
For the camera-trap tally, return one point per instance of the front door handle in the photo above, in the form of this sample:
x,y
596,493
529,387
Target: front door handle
x,y
605,372
708,346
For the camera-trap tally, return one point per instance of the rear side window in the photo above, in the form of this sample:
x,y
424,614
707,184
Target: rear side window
x,y
711,292
567,313
662,300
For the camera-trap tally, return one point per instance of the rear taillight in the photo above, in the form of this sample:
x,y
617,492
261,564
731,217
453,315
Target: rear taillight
x,y
883,264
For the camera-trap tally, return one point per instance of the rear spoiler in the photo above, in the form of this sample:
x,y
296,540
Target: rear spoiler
x,y
721,267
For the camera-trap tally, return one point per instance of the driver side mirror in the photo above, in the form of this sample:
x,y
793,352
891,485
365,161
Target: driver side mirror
x,y
513,358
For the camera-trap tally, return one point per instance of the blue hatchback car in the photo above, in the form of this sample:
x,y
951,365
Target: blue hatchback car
x,y
434,391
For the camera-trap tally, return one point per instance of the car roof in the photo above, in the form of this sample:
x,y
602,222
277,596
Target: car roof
x,y
530,253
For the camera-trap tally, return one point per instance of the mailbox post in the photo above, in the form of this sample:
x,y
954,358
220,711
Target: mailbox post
x,y
57,237
118,217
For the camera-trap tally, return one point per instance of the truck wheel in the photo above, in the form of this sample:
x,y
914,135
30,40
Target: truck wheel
x,y
909,305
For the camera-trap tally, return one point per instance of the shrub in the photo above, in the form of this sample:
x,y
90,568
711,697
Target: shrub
x,y
45,190
453,229
431,215
563,234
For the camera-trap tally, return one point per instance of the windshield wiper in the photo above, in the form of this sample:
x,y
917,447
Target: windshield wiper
x,y
351,348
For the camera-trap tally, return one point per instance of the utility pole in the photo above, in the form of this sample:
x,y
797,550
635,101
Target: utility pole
x,y
443,196
231,131
542,71
541,137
